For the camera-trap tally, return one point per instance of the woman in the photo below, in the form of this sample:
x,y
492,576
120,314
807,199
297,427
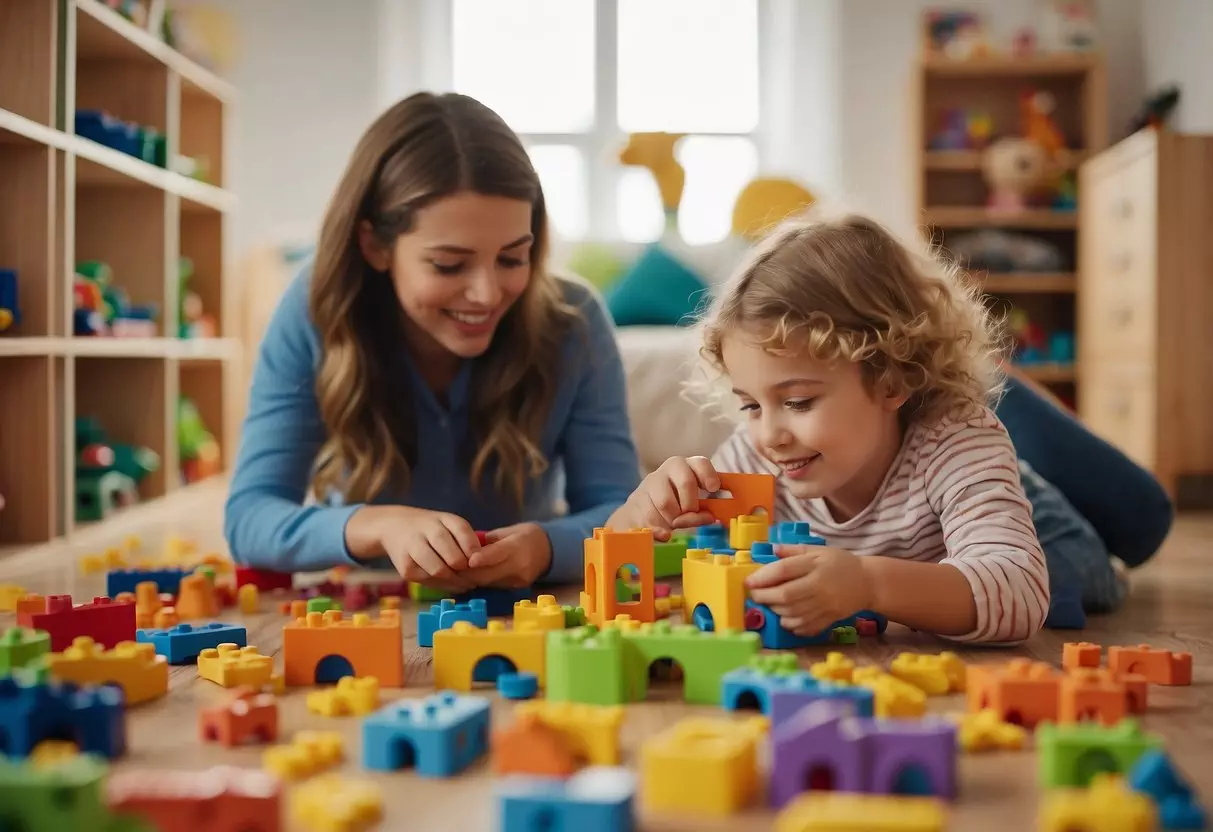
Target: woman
x,y
425,374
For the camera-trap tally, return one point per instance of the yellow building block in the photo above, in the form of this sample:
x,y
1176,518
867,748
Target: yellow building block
x,y
894,699
458,649
702,766
935,675
984,731
332,803
231,666
591,731
1107,805
351,697
248,599
718,583
10,594
51,753
134,667
836,668
308,753
543,613
853,812
747,529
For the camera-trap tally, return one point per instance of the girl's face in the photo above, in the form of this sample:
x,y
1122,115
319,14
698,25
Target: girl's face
x,y
829,435
464,263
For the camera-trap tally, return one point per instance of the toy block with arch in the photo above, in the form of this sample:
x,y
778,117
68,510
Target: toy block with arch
x,y
605,554
740,495
460,650
324,647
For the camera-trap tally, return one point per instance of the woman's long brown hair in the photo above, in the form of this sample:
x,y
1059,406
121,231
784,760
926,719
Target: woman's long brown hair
x,y
422,149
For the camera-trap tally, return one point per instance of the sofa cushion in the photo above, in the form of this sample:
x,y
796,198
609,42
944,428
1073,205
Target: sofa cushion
x,y
658,290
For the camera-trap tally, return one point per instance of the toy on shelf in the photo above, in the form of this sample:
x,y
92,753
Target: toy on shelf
x,y
192,320
196,446
962,130
957,35
102,308
10,311
1034,346
108,474
1014,169
137,140
1036,116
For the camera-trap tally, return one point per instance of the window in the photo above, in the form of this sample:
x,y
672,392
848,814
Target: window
x,y
575,77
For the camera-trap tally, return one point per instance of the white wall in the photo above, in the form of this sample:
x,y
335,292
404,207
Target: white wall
x,y
1177,40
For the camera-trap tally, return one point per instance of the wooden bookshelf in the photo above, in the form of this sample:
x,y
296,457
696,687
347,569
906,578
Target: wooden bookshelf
x,y
952,195
66,199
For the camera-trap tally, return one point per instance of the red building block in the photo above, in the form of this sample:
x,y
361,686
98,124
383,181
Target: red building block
x,y
264,581
222,797
105,621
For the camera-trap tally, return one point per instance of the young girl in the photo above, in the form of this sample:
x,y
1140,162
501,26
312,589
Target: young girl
x,y
425,372
865,376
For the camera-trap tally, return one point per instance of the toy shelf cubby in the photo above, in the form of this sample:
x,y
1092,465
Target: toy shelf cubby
x,y
74,202
952,193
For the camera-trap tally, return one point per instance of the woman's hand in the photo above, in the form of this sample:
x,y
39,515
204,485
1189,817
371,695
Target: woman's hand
x,y
668,498
811,587
513,556
426,547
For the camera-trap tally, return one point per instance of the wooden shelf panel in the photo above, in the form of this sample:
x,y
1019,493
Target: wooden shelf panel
x,y
965,216
27,241
191,350
1050,373
970,160
29,436
100,165
1029,283
1070,63
28,49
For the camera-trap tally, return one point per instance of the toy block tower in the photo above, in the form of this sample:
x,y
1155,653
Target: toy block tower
x,y
752,494
605,553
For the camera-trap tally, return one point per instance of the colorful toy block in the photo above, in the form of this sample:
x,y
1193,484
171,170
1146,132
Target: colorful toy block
x,y
248,599
333,803
745,530
1178,808
1021,691
1071,755
10,594
184,643
1092,693
668,557
230,665
841,812
753,686
892,697
1076,654
106,622
844,634
605,554
741,494
142,675
33,710
587,665
701,766
704,657
322,603
1107,806
934,675
20,646
196,598
984,731
825,746
351,697
125,580
530,746
247,715
323,647
1160,667
68,795
443,615
788,701
439,736
596,799
836,668
521,685
307,754
459,649
264,580
590,731
221,797
543,613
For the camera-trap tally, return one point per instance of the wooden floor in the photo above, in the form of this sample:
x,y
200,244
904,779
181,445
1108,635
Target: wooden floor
x,y
1169,608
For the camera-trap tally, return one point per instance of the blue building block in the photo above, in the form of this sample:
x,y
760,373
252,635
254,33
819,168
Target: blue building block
x,y
763,552
743,686
92,717
792,533
446,612
1154,775
498,601
787,702
183,643
713,536
125,580
10,306
520,685
595,799
440,735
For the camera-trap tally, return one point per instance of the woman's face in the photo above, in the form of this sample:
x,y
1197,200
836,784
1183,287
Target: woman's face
x,y
464,263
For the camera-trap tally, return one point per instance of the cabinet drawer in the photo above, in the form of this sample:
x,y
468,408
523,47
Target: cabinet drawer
x,y
1117,323
1119,403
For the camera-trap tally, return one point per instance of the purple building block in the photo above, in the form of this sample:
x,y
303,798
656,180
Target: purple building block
x,y
788,701
826,747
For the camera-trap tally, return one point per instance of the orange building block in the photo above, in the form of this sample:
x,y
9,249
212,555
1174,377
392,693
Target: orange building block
x,y
1160,667
1021,692
222,797
1135,691
751,494
371,647
1076,654
529,746
605,553
248,715
1092,694
196,598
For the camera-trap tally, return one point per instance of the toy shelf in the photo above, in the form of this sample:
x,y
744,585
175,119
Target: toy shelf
x,y
138,227
963,104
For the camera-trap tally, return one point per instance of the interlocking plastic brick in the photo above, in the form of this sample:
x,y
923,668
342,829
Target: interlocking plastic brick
x,y
214,799
68,795
518,685
333,803
595,799
841,812
444,614
231,665
440,735
308,753
20,646
351,697
125,580
32,711
142,675
106,621
185,642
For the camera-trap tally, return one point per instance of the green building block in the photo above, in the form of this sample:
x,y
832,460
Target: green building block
x,y
775,664
421,592
844,635
587,665
20,646
704,656
322,603
1071,755
668,557
573,617
70,795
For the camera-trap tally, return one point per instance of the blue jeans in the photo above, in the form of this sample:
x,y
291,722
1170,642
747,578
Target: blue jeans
x,y
1089,500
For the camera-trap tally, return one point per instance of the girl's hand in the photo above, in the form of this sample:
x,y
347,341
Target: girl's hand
x,y
426,547
668,498
513,556
811,587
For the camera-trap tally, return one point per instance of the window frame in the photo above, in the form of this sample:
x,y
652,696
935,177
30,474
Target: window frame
x,y
601,142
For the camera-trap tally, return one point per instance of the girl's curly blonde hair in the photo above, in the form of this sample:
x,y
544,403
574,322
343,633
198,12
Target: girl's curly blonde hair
x,y
846,288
